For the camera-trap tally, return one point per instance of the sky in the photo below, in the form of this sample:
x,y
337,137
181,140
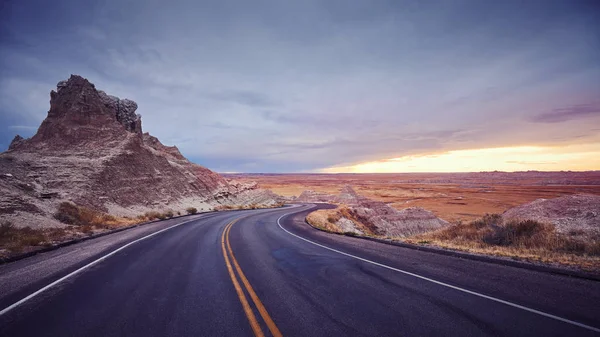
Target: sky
x,y
324,86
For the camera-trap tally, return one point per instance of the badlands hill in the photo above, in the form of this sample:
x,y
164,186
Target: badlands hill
x,y
576,215
360,215
91,150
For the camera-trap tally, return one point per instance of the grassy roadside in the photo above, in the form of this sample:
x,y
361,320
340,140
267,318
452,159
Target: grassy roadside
x,y
251,206
81,222
526,240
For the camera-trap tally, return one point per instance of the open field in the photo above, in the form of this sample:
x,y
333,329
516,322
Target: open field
x,y
452,196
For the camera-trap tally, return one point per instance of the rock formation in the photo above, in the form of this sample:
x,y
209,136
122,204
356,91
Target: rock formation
x,y
376,217
313,196
91,150
577,214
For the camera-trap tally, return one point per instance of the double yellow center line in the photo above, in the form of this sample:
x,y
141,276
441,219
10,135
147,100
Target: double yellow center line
x,y
227,251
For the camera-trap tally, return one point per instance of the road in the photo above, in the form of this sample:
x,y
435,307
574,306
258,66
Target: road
x,y
262,272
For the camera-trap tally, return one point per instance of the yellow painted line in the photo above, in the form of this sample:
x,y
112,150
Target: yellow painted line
x,y
261,308
247,310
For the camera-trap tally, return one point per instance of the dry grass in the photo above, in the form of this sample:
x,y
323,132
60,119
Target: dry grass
x,y
80,216
17,240
81,222
251,206
326,219
528,240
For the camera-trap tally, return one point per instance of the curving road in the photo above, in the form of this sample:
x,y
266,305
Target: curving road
x,y
263,272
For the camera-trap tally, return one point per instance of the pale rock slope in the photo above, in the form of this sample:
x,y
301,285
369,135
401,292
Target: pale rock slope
x,y
376,217
577,214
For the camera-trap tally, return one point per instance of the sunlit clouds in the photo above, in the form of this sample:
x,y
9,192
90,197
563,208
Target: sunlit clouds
x,y
521,158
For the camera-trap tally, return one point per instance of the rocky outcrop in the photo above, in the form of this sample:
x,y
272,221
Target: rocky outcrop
x,y
573,214
18,140
91,150
313,196
376,217
124,110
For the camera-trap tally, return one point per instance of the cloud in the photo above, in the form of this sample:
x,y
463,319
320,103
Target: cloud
x,y
23,127
568,113
250,98
297,86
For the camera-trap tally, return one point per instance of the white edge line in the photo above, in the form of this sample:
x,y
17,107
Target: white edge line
x,y
444,284
16,304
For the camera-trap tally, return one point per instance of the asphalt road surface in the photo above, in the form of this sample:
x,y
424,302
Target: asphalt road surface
x,y
263,272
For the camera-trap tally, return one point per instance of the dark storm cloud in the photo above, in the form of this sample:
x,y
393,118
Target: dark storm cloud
x,y
302,85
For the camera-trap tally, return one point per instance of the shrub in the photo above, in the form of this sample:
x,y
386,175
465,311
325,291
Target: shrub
x,y
487,220
6,228
527,233
31,237
68,213
168,214
15,239
153,215
108,218
72,214
87,229
224,208
191,210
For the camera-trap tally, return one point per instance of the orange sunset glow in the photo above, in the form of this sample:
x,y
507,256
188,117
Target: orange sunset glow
x,y
518,158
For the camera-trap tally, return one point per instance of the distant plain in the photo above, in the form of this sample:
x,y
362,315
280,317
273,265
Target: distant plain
x,y
451,196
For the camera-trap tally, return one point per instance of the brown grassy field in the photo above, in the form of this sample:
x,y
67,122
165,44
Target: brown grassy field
x,y
451,196
521,240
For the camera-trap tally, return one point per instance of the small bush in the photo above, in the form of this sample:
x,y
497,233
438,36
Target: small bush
x,y
191,210
109,218
528,233
169,214
6,228
68,213
16,239
224,208
153,215
31,237
333,219
87,229
72,214
487,220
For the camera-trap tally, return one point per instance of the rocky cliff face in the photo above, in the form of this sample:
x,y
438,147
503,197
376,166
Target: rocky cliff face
x,y
91,150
